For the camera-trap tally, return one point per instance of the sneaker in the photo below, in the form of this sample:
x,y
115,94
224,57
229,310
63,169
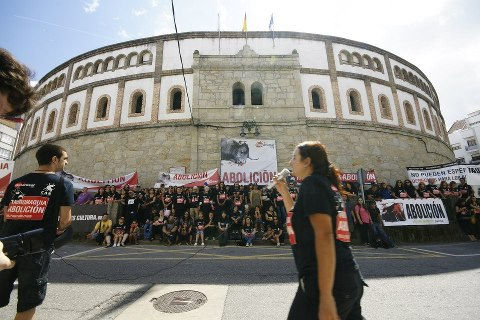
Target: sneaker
x,y
278,244
195,244
122,245
246,245
251,244
203,244
114,245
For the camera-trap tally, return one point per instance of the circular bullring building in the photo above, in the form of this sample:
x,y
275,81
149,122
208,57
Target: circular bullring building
x,y
129,107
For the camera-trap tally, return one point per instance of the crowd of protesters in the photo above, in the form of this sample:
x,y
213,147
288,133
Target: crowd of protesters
x,y
180,215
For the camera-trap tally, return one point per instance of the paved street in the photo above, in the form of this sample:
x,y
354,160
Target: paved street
x,y
410,282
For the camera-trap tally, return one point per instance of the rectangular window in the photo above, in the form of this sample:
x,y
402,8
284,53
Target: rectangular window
x,y
456,148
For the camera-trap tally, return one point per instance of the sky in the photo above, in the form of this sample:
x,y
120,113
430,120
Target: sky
x,y
441,37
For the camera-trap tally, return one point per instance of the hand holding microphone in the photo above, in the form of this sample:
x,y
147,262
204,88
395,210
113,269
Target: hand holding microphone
x,y
280,176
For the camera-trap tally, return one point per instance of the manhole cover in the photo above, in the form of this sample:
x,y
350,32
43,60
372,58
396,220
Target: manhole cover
x,y
179,301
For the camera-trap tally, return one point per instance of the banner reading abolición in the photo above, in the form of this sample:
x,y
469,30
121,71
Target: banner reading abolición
x,y
407,212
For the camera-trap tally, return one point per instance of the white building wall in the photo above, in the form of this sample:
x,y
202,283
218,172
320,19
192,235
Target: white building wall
x,y
377,90
97,93
358,69
78,97
424,106
402,97
55,105
407,84
130,86
118,72
312,54
309,80
56,91
167,84
344,84
8,138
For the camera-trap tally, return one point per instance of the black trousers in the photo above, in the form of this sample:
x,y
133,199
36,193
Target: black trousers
x,y
347,291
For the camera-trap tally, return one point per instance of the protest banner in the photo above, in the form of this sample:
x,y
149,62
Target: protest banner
x,y
445,172
409,212
80,183
6,170
352,177
209,177
248,161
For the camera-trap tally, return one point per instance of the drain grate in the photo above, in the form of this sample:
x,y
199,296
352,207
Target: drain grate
x,y
179,301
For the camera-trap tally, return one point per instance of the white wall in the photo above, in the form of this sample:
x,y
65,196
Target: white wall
x,y
378,89
167,83
424,106
116,73
323,81
404,96
111,91
55,105
312,54
344,84
130,87
75,97
407,84
357,69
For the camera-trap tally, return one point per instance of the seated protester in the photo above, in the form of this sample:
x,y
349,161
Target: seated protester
x,y
222,202
464,217
141,208
268,234
133,233
422,191
188,221
102,231
199,227
149,204
111,194
267,199
279,206
371,193
347,187
444,191
148,230
170,229
223,225
410,189
269,215
384,192
157,225
464,189
184,233
236,223
379,237
258,219
432,188
130,207
120,233
206,204
167,201
277,232
452,187
399,191
237,200
84,197
211,226
474,208
248,232
100,196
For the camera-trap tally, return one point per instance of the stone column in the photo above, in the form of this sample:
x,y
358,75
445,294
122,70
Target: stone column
x,y
419,112
371,102
333,79
86,108
119,104
397,102
157,80
61,112
42,123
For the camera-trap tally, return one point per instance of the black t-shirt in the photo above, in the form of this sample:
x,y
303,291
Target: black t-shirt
x,y
119,228
248,229
374,213
317,196
33,202
223,223
276,228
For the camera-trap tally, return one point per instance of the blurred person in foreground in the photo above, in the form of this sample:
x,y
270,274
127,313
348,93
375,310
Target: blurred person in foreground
x,y
330,284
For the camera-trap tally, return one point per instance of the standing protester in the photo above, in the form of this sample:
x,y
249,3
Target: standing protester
x,y
331,286
52,209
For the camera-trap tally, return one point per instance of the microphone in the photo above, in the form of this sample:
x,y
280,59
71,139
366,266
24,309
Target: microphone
x,y
281,175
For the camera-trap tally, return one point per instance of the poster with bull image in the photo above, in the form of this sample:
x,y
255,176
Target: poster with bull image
x,y
248,161
410,212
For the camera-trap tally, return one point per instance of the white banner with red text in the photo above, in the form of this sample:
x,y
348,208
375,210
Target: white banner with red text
x,y
248,161
6,171
80,183
412,212
209,177
352,177
447,172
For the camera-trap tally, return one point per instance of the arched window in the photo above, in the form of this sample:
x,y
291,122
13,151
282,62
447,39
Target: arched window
x,y
317,99
385,109
145,57
55,84
405,75
256,91
238,94
354,101
344,57
97,67
61,80
51,121
367,61
398,72
77,73
377,65
35,128
426,117
409,113
108,64
132,59
73,114
176,99
26,134
102,107
356,59
88,71
120,62
436,125
137,103
411,79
